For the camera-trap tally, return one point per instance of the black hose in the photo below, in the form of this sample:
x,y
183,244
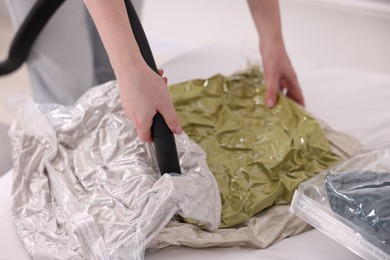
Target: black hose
x,y
164,141
37,18
27,34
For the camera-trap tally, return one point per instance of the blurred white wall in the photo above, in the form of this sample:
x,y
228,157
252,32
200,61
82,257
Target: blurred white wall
x,y
345,33
174,26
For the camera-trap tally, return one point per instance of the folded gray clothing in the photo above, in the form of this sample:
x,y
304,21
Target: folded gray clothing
x,y
363,198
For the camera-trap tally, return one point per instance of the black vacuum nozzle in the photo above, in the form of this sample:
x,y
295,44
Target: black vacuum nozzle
x,y
164,141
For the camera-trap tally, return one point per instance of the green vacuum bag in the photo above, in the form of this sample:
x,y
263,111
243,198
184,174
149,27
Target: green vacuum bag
x,y
257,155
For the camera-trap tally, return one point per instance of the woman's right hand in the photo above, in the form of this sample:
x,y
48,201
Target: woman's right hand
x,y
144,93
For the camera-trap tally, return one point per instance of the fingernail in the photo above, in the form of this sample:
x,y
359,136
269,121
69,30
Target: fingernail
x,y
270,103
178,130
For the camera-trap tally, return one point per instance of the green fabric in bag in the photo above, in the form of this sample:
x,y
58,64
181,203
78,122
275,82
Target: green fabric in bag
x,y
257,155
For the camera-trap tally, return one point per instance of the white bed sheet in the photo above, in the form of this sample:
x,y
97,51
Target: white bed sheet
x,y
355,102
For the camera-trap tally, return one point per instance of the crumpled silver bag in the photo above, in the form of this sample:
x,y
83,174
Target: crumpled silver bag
x,y
85,186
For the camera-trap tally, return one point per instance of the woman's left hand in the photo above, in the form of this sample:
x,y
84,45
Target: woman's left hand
x,y
279,75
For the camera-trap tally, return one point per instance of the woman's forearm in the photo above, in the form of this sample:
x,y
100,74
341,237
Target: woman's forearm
x,y
110,18
143,92
278,71
266,16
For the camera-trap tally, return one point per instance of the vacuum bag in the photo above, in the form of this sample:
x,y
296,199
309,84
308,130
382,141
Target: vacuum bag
x,y
350,203
263,229
258,155
85,186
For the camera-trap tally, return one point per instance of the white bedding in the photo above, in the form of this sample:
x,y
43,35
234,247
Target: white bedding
x,y
351,101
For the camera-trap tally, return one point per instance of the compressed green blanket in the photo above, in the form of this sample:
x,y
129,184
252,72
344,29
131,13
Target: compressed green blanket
x,y
257,155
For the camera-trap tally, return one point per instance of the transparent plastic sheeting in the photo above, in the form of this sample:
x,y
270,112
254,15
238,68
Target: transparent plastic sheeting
x,y
350,203
85,187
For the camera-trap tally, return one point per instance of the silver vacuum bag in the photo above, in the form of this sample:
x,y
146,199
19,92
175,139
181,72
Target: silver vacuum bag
x,y
85,186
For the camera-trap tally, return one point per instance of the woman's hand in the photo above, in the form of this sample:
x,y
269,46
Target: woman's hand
x,y
279,75
278,72
144,93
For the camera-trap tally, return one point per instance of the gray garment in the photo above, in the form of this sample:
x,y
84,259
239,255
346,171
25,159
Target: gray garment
x,y
5,149
68,57
363,198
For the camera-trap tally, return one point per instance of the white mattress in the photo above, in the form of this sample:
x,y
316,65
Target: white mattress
x,y
355,102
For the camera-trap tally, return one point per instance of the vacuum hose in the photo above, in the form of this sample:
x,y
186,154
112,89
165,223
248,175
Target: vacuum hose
x,y
164,141
27,34
37,18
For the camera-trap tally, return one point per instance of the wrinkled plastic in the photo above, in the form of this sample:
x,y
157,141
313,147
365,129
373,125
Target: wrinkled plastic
x,y
85,187
106,173
258,155
265,228
350,203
